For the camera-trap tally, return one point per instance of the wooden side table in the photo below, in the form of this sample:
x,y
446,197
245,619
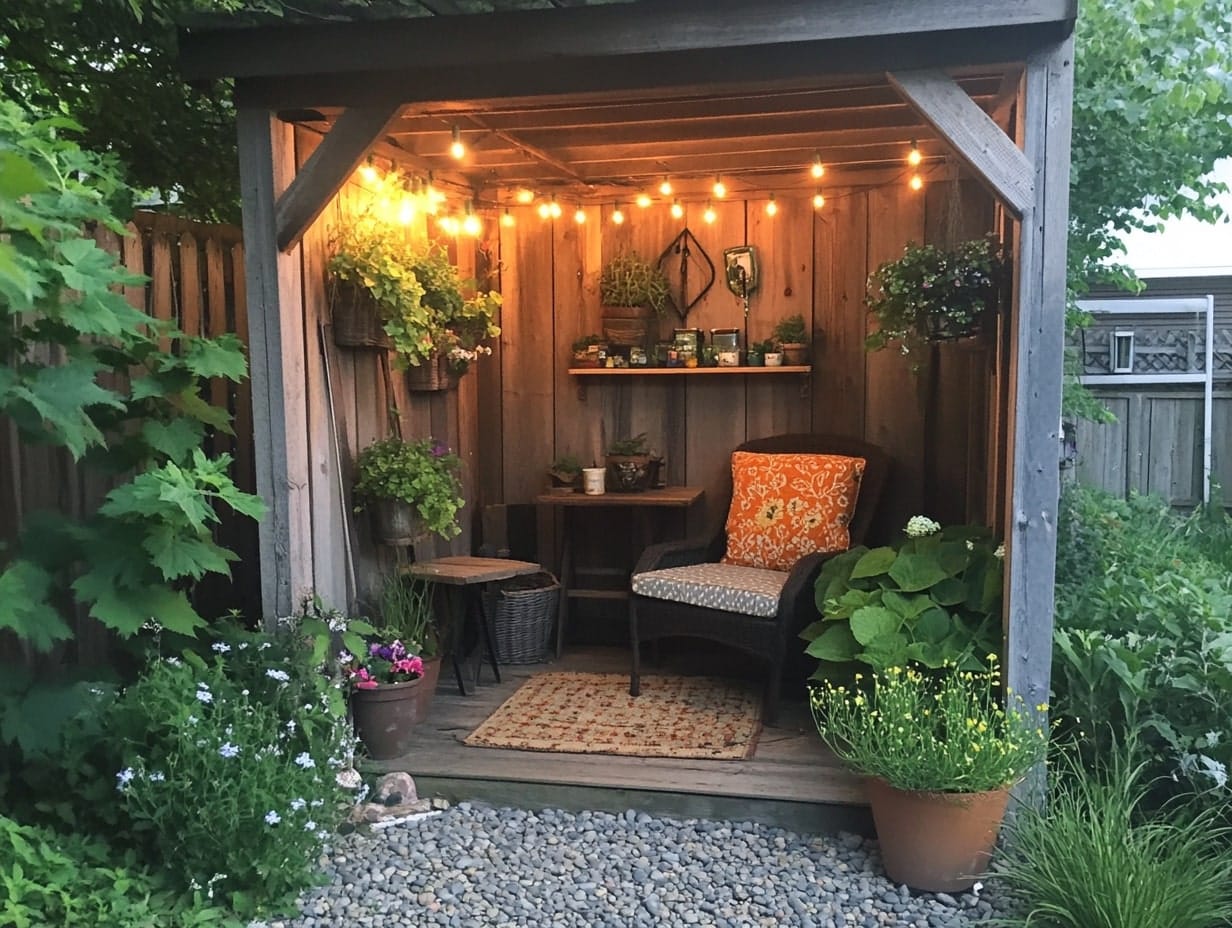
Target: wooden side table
x,y
463,578
642,507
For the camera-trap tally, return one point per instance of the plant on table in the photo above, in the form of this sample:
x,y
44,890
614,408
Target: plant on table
x,y
424,474
566,470
791,337
934,598
933,293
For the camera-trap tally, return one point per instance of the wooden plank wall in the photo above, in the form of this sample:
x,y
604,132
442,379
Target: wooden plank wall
x,y
815,263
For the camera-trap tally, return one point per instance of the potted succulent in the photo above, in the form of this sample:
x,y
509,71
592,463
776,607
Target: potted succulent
x,y
461,322
941,752
566,473
791,337
412,487
755,355
933,598
934,294
631,291
630,466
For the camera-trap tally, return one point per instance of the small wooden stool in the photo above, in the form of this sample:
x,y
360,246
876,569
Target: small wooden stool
x,y
463,578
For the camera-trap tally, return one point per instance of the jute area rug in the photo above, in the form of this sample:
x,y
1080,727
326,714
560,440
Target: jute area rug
x,y
593,713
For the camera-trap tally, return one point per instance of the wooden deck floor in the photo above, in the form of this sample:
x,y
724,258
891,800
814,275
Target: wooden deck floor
x,y
792,779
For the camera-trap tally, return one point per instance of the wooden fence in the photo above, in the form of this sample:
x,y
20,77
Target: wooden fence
x,y
196,279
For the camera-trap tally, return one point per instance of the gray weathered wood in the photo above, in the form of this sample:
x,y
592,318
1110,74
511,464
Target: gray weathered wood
x,y
324,173
276,339
1036,387
976,139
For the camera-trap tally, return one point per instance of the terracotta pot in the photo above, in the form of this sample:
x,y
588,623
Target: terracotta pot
x,y
795,353
395,522
936,842
385,717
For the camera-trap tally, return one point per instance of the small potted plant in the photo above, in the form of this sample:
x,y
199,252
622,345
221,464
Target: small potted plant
x,y
629,464
632,291
934,597
462,323
791,337
941,752
566,474
755,356
412,488
934,294
587,350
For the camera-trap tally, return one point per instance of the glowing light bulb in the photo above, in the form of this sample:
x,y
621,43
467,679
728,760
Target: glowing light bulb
x,y
916,182
579,216
368,172
525,196
818,169
665,188
709,215
406,210
471,224
772,206
818,200
677,209
456,148
554,208
507,219
450,224
545,210
618,215
719,189
914,157
643,200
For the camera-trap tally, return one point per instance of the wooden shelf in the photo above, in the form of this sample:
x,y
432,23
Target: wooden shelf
x,y
653,371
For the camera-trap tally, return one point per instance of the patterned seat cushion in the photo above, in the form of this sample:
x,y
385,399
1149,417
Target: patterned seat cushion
x,y
726,587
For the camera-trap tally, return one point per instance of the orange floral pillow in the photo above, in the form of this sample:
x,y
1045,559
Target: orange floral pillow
x,y
785,506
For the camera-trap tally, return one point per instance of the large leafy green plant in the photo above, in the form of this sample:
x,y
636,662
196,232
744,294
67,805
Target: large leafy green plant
x,y
117,400
933,598
422,473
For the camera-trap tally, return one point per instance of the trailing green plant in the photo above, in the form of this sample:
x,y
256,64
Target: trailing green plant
x,y
423,473
638,444
1143,637
117,400
407,614
790,330
462,322
933,293
933,598
630,280
944,732
1096,856
567,466
56,878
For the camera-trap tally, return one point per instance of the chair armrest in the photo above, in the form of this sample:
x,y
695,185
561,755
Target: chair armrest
x,y
673,554
797,601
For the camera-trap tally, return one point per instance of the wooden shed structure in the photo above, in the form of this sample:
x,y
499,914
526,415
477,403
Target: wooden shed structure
x,y
592,102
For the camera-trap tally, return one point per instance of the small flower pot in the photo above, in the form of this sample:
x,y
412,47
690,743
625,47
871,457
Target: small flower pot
x,y
936,842
385,717
774,359
795,353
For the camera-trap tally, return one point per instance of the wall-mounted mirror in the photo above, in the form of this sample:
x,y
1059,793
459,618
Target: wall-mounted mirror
x,y
741,267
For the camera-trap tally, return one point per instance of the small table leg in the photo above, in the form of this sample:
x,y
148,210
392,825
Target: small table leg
x,y
486,627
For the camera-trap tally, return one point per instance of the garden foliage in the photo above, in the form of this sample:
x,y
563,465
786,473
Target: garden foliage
x,y
1143,641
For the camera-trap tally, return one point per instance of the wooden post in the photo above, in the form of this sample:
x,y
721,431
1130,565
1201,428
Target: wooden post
x,y
1036,373
276,344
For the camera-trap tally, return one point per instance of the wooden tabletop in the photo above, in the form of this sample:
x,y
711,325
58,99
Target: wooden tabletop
x,y
663,496
461,570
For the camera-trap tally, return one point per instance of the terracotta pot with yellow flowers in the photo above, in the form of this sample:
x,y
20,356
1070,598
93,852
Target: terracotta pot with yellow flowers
x,y
941,752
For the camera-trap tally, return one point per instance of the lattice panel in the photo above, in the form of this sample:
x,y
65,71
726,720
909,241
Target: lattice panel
x,y
1157,350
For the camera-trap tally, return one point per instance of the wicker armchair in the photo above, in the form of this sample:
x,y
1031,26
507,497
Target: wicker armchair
x,y
768,637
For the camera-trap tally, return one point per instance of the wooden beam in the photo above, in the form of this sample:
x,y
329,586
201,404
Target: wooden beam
x,y
1035,388
975,138
337,157
533,151
276,349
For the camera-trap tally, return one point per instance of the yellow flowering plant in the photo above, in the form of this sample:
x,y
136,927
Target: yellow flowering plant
x,y
946,731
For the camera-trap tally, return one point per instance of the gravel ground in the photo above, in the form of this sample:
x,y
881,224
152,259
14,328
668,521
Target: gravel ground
x,y
475,865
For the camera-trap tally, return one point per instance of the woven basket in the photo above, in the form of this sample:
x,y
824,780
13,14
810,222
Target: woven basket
x,y
431,374
357,324
522,612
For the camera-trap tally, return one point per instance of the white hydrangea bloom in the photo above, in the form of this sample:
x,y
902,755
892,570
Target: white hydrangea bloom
x,y
921,526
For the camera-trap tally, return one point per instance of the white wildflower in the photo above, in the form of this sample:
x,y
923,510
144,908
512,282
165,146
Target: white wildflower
x,y
173,661
192,720
921,526
305,760
280,675
999,554
272,817
157,776
345,657
291,725
297,804
264,645
151,625
243,645
124,777
229,750
221,647
205,696
1212,739
337,622
970,545
310,825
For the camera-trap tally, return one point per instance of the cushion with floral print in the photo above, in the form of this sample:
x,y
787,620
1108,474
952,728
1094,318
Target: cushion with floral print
x,y
785,506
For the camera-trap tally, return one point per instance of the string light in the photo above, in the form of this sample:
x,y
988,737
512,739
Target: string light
x,y
456,148
554,208
471,224
665,188
643,200
818,169
368,171
720,188
449,224
772,206
914,157
618,215
433,196
916,182
545,210
677,210
507,219
579,216
525,196
406,209
818,200
709,215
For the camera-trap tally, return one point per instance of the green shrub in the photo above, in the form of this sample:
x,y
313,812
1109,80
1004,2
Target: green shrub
x,y
1093,858
1143,640
422,473
51,878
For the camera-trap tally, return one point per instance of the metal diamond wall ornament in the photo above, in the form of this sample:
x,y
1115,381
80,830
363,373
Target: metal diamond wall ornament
x,y
689,271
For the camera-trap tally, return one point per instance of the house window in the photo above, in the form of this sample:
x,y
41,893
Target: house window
x,y
1123,351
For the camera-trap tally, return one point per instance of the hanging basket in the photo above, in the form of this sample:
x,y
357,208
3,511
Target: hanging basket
x,y
522,613
356,322
395,522
431,374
